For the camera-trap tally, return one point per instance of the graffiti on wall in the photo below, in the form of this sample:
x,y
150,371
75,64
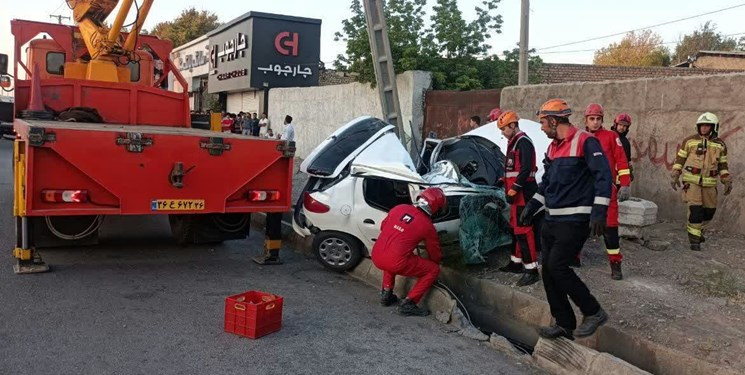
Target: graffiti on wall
x,y
664,155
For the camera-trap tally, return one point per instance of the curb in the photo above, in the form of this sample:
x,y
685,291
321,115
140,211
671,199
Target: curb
x,y
511,313
564,357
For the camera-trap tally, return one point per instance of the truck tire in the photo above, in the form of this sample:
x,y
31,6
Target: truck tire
x,y
337,251
182,228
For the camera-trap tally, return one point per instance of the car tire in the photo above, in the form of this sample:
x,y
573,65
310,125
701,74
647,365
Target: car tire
x,y
337,251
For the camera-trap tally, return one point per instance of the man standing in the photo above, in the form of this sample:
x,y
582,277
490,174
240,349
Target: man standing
x,y
575,190
264,123
520,184
289,133
701,159
621,125
619,167
400,232
474,122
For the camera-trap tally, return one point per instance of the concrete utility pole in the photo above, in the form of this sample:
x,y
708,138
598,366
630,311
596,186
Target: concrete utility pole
x,y
383,63
522,77
59,17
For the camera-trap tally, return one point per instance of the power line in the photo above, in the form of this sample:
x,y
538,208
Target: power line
x,y
642,28
618,47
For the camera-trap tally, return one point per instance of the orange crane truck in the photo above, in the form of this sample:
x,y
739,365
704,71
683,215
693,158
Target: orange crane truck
x,y
98,135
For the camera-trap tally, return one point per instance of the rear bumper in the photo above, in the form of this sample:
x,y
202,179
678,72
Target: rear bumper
x,y
123,180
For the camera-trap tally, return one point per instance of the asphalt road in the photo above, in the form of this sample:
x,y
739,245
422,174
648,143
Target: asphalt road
x,y
138,304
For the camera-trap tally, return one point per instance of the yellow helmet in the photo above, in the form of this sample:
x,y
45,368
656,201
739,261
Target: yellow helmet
x,y
709,118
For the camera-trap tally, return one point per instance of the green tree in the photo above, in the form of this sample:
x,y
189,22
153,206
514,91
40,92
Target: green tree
x,y
454,50
188,26
705,38
644,48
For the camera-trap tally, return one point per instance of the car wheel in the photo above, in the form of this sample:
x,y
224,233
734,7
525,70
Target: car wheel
x,y
337,251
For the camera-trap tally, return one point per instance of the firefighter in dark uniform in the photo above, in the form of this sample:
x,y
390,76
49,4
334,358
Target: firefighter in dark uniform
x,y
520,185
575,190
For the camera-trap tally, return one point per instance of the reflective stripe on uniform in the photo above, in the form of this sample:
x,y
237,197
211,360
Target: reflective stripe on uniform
x,y
574,146
515,174
539,198
624,172
531,266
677,166
515,259
723,159
694,231
683,153
613,251
569,210
602,201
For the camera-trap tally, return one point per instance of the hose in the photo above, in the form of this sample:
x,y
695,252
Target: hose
x,y
228,227
441,286
97,221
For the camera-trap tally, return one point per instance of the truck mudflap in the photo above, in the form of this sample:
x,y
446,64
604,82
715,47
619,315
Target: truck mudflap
x,y
103,169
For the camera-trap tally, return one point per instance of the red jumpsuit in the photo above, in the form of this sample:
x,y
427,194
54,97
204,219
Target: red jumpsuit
x,y
520,176
619,168
401,231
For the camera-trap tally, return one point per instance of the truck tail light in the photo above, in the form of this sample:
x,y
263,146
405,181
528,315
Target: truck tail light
x,y
263,195
64,196
313,205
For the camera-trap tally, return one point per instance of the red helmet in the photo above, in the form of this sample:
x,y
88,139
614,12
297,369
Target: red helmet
x,y
594,109
494,114
433,198
623,117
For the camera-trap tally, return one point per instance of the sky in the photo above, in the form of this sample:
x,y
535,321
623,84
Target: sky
x,y
552,22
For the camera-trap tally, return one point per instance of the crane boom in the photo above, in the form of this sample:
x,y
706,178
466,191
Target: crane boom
x,y
104,44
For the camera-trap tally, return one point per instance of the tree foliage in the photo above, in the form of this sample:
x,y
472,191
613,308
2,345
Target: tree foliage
x,y
453,49
642,48
705,38
189,25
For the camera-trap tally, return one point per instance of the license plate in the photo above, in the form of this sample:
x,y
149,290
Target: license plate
x,y
177,204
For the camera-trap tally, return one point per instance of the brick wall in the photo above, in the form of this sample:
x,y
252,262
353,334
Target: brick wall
x,y
561,73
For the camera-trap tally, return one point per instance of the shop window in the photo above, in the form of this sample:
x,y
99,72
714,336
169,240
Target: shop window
x,y
56,63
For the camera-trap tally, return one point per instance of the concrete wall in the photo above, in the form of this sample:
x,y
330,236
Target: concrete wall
x,y
720,62
663,112
319,111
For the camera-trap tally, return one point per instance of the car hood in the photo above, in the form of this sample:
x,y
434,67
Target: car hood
x,y
491,132
369,147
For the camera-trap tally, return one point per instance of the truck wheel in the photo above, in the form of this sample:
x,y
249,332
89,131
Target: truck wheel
x,y
182,228
337,251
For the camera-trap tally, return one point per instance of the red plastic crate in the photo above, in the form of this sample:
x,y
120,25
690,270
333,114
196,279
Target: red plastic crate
x,y
253,314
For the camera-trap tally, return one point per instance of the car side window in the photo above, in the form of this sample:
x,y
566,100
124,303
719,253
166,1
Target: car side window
x,y
385,194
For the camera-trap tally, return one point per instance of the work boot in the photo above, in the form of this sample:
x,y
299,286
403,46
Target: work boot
x,y
529,277
512,267
696,246
409,308
615,271
387,298
591,323
554,331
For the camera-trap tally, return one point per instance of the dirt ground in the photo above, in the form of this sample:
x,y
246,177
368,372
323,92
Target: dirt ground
x,y
691,301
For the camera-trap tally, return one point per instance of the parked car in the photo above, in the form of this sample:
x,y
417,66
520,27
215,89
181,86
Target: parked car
x,y
362,171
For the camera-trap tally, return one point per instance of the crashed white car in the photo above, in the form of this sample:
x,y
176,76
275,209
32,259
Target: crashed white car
x,y
362,171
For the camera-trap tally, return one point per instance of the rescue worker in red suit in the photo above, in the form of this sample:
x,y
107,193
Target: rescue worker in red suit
x,y
400,232
520,185
621,125
619,168
575,191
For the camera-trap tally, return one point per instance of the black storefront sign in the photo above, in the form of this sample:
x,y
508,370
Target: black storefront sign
x,y
260,50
